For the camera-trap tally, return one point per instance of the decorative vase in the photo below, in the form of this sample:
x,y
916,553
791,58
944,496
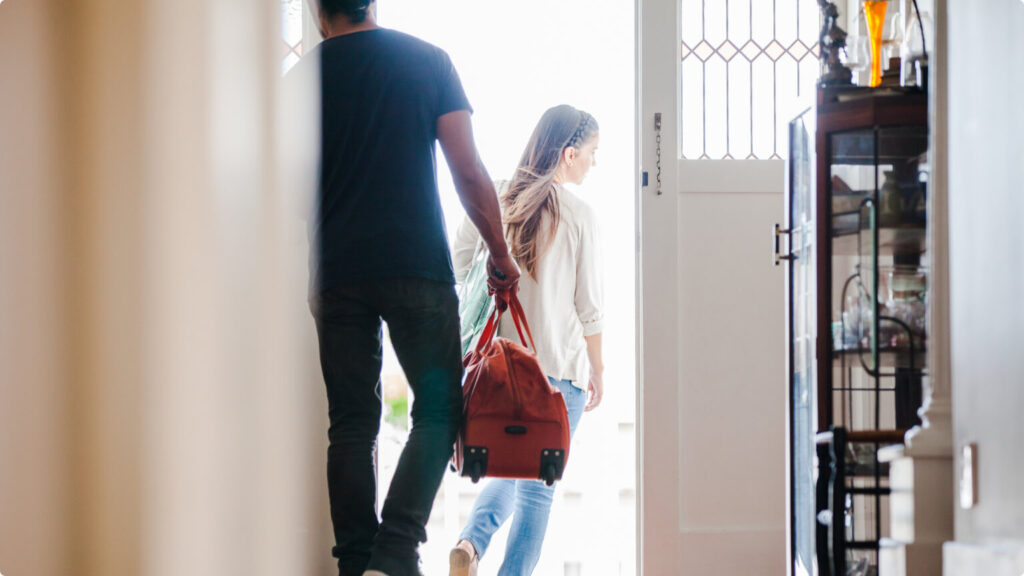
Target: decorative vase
x,y
874,12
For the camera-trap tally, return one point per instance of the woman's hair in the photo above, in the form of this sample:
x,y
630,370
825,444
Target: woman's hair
x,y
354,9
532,191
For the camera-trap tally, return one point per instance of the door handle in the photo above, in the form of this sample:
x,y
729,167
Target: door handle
x,y
777,232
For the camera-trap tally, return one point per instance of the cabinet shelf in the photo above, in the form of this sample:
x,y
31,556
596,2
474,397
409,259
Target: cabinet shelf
x,y
881,491
863,545
894,436
867,471
887,357
902,240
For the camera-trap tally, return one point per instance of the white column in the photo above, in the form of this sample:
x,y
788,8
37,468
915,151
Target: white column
x,y
921,474
935,435
658,445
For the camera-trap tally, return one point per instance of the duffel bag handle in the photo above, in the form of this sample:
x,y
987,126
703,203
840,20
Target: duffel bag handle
x,y
489,330
509,300
519,317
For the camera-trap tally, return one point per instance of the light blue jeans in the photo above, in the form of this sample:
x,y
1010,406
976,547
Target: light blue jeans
x,y
528,501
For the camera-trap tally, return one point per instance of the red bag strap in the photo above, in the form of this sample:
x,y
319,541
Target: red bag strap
x,y
490,329
519,316
511,302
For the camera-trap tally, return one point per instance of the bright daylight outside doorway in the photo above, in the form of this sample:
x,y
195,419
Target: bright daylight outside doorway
x,y
516,59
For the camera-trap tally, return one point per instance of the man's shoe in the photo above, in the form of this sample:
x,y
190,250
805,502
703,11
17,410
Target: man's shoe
x,y
462,560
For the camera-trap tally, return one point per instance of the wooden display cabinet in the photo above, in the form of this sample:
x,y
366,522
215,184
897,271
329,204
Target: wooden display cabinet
x,y
857,282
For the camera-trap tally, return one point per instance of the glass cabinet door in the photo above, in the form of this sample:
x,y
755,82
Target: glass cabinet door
x,y
853,210
802,347
877,229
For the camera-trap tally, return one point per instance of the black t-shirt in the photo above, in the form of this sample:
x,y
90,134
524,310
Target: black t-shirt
x,y
379,212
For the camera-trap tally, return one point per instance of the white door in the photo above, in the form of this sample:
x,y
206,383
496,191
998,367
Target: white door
x,y
725,77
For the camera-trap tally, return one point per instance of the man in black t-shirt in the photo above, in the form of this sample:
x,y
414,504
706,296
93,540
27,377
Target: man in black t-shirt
x,y
381,253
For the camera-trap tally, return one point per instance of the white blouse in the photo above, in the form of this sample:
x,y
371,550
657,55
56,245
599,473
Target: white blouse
x,y
565,302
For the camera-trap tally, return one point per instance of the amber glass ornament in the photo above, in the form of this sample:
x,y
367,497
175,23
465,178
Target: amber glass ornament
x,y
874,12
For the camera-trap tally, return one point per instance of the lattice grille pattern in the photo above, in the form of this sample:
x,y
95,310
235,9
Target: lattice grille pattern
x,y
746,67
291,33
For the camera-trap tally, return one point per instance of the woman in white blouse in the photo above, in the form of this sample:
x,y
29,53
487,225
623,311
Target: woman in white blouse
x,y
553,236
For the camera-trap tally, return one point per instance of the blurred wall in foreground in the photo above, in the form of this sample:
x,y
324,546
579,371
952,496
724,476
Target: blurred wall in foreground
x,y
986,269
160,406
35,496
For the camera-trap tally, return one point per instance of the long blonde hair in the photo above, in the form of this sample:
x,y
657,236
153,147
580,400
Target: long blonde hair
x,y
532,191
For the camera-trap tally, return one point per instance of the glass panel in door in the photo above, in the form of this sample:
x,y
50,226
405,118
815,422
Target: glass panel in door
x,y
803,330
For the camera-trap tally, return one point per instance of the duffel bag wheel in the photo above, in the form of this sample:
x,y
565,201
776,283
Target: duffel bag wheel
x,y
549,474
475,472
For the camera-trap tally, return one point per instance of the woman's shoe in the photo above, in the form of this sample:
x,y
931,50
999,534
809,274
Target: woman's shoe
x,y
462,560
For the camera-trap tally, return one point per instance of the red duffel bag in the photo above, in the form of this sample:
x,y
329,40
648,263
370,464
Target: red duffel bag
x,y
515,423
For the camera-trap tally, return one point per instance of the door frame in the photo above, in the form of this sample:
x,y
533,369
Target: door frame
x,y
657,437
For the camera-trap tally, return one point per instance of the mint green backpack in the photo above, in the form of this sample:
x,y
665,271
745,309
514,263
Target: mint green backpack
x,y
475,304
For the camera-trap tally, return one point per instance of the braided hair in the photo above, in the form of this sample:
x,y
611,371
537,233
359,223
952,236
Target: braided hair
x,y
583,131
533,192
354,9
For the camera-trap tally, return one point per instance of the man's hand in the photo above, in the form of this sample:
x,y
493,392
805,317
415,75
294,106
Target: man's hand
x,y
595,391
502,273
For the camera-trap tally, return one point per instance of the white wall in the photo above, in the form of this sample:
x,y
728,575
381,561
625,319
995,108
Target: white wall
x,y
986,240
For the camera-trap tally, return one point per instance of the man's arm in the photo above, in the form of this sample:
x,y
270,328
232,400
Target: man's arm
x,y
476,191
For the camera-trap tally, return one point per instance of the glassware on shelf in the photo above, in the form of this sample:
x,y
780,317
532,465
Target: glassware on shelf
x,y
858,48
858,53
905,289
913,54
893,336
854,331
891,43
901,311
874,12
907,283
894,39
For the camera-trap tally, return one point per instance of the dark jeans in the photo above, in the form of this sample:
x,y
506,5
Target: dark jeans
x,y
423,322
